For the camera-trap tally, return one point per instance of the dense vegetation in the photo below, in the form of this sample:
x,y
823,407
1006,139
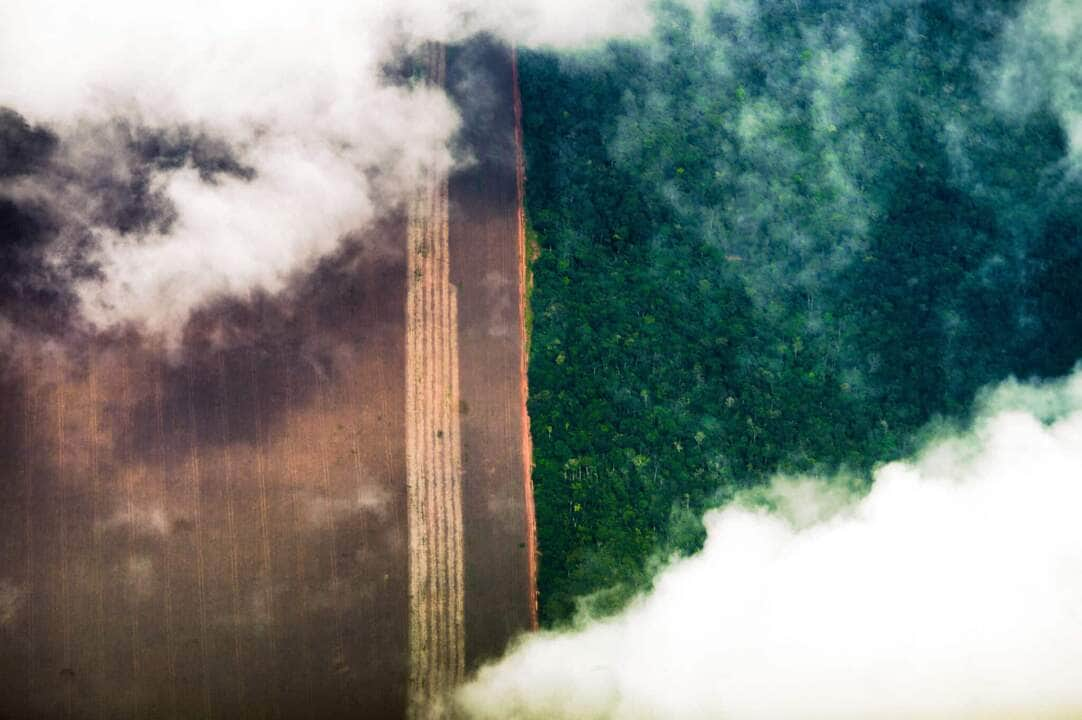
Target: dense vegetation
x,y
782,236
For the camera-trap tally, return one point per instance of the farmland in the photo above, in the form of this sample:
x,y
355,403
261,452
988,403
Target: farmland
x,y
315,506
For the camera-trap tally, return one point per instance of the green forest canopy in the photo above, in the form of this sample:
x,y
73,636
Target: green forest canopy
x,y
781,237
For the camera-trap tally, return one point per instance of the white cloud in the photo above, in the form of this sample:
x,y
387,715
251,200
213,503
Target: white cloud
x,y
294,87
323,511
11,598
952,590
150,519
1042,64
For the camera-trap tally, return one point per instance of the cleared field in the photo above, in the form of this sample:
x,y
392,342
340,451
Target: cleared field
x,y
318,509
223,538
433,446
486,267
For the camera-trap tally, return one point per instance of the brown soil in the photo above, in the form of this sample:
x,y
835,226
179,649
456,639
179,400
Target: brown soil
x,y
225,534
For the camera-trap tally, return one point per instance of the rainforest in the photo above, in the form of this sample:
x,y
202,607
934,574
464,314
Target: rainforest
x,y
783,237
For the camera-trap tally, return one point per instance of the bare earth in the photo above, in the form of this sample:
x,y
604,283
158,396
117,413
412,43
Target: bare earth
x,y
228,534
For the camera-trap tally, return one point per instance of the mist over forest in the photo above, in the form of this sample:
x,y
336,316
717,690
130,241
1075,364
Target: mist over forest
x,y
805,314
784,237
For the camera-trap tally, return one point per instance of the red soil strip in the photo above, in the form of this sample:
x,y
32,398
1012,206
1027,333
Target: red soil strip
x,y
524,392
